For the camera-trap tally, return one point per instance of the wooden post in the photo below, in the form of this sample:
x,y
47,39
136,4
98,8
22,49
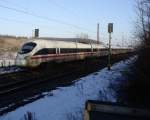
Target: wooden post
x,y
86,115
96,109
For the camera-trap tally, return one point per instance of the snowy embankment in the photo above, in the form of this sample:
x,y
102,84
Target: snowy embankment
x,y
7,60
67,103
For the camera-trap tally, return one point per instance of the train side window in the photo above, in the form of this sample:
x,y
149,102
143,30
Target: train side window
x,y
74,50
46,51
84,50
51,51
42,52
68,50
94,50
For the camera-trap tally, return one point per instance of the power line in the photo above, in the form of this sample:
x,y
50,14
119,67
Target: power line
x,y
31,14
17,21
24,22
13,3
43,17
64,8
70,11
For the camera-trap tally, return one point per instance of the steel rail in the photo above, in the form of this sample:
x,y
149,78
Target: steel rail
x,y
9,88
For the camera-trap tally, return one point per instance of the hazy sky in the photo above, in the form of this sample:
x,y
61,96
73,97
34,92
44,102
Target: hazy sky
x,y
67,18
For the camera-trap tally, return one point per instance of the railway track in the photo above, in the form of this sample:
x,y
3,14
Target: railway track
x,y
9,69
6,89
16,87
9,77
12,89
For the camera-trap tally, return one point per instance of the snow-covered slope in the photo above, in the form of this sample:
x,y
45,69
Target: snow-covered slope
x,y
7,61
7,58
68,103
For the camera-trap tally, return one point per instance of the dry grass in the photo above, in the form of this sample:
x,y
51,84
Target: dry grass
x,y
10,44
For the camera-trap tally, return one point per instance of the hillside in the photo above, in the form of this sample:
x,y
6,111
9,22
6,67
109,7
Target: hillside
x,y
11,43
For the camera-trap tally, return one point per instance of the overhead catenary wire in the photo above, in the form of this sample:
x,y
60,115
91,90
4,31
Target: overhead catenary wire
x,y
14,4
17,21
43,17
71,12
68,10
24,22
50,1
28,23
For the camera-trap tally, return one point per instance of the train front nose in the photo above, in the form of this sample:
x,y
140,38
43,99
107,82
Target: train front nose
x,y
20,60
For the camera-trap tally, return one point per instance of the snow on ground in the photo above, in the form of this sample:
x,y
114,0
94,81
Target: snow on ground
x,y
67,103
11,69
8,55
7,59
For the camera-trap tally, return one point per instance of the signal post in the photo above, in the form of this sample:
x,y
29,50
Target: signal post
x,y
110,30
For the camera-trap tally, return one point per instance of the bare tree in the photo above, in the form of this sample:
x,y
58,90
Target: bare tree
x,y
138,85
143,21
136,95
82,36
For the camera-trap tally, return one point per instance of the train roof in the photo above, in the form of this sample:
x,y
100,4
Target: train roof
x,y
79,40
63,43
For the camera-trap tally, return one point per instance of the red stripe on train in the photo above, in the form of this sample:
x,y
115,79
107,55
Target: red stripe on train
x,y
58,55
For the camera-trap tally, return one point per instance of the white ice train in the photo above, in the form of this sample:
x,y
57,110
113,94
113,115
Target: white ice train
x,y
37,51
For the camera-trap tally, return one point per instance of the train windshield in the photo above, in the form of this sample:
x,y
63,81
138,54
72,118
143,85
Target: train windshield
x,y
28,47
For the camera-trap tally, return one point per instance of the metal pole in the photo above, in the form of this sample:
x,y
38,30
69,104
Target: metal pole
x,y
76,45
97,35
109,53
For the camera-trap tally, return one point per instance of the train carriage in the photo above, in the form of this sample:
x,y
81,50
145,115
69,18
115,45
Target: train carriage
x,y
36,51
